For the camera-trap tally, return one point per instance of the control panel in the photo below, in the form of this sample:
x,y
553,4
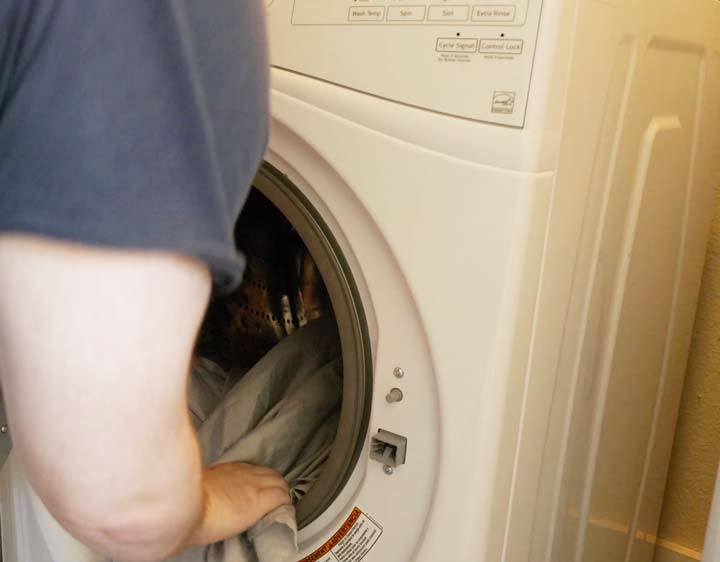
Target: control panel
x,y
363,12
471,60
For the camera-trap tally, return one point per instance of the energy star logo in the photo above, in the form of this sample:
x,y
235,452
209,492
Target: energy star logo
x,y
503,102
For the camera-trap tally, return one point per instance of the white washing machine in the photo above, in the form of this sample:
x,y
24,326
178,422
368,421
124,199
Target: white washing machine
x,y
508,201
521,192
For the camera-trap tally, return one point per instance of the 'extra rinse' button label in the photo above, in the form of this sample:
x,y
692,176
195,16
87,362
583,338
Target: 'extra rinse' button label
x,y
367,13
455,45
494,13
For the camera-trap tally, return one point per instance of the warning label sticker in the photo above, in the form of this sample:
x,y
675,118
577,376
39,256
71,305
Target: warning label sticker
x,y
351,542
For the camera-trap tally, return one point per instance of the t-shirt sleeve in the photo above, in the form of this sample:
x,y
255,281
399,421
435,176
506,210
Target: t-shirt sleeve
x,y
133,123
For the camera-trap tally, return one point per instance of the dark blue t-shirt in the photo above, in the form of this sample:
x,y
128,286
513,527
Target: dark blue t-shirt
x,y
132,123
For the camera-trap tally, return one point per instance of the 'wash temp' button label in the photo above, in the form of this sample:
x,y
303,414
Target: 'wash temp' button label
x,y
367,13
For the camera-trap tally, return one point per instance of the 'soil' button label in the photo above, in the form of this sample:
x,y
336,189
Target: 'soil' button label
x,y
448,13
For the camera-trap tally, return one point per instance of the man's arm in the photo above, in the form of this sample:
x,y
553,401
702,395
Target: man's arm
x,y
94,351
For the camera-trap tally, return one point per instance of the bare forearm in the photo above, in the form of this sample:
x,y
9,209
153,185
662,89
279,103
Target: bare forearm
x,y
135,513
94,368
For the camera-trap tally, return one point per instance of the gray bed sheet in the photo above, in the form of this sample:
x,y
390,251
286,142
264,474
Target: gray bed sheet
x,y
282,413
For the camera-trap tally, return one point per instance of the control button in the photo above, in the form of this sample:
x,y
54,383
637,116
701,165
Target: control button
x,y
367,13
406,13
454,45
449,13
494,13
501,46
395,395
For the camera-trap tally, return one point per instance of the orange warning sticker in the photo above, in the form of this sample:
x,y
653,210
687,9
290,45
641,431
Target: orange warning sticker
x,y
352,541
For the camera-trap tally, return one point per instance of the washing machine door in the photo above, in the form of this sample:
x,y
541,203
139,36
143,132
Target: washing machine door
x,y
382,478
337,282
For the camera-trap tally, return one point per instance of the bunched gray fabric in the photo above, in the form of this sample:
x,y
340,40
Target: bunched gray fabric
x,y
282,413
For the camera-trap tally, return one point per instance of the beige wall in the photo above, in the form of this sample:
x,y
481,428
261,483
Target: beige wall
x,y
697,442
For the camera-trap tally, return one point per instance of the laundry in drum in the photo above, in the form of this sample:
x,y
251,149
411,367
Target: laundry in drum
x,y
281,413
280,410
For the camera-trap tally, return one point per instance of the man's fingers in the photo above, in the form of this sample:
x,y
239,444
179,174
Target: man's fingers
x,y
251,468
274,483
237,496
274,497
265,476
264,470
262,479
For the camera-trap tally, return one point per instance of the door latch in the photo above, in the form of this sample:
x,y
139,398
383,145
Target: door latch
x,y
388,448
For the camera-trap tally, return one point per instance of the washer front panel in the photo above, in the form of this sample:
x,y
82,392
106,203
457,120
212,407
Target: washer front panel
x,y
469,59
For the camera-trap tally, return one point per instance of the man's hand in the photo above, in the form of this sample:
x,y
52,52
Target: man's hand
x,y
236,496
